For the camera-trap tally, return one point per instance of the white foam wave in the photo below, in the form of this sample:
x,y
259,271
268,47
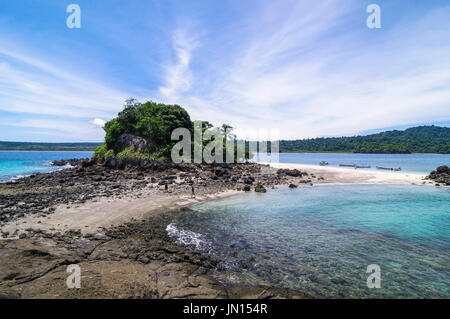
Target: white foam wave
x,y
188,238
15,178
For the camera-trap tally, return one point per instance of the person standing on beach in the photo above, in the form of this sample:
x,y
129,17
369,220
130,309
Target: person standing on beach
x,y
166,186
193,191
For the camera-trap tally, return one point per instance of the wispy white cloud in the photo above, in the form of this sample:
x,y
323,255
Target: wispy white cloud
x,y
178,77
309,71
28,85
98,122
62,129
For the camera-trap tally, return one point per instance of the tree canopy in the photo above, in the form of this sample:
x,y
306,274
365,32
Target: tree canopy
x,y
155,123
420,139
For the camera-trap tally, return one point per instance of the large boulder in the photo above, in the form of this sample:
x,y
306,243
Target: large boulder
x,y
249,180
441,175
126,140
115,163
444,169
260,189
291,172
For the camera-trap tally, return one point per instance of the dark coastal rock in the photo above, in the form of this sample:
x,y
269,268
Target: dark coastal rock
x,y
143,163
58,163
71,162
115,163
293,186
441,175
249,180
87,163
260,189
292,172
444,169
246,188
222,173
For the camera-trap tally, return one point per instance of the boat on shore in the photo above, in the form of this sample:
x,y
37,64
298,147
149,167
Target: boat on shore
x,y
347,165
389,168
363,166
323,163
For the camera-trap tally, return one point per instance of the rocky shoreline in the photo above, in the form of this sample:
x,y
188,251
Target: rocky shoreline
x,y
40,193
133,260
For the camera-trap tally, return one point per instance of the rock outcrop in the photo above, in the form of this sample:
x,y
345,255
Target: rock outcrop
x,y
126,140
441,175
260,189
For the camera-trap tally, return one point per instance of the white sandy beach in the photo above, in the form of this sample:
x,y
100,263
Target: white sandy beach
x,y
351,175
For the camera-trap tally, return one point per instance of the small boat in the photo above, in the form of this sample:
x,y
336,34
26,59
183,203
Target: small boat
x,y
385,168
347,165
390,168
363,166
323,163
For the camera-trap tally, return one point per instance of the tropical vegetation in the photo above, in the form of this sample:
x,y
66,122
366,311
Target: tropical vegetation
x,y
152,124
420,139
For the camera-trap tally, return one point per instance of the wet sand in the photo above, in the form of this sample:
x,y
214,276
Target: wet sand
x,y
102,213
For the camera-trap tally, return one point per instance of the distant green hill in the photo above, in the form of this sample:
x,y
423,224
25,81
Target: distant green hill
x,y
421,139
26,146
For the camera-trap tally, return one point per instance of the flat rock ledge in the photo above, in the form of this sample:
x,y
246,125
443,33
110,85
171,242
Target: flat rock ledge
x,y
132,261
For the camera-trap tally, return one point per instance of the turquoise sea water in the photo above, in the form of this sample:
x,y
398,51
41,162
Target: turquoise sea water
x,y
16,164
321,239
413,163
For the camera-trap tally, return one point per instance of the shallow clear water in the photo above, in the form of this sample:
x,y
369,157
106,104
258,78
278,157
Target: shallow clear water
x,y
413,163
15,164
321,239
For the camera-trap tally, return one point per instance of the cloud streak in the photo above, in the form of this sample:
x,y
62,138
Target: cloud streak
x,y
307,68
320,76
178,75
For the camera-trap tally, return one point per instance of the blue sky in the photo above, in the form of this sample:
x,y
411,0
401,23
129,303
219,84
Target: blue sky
x,y
307,68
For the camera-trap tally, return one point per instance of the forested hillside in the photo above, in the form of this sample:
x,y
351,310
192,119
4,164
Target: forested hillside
x,y
28,146
421,139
